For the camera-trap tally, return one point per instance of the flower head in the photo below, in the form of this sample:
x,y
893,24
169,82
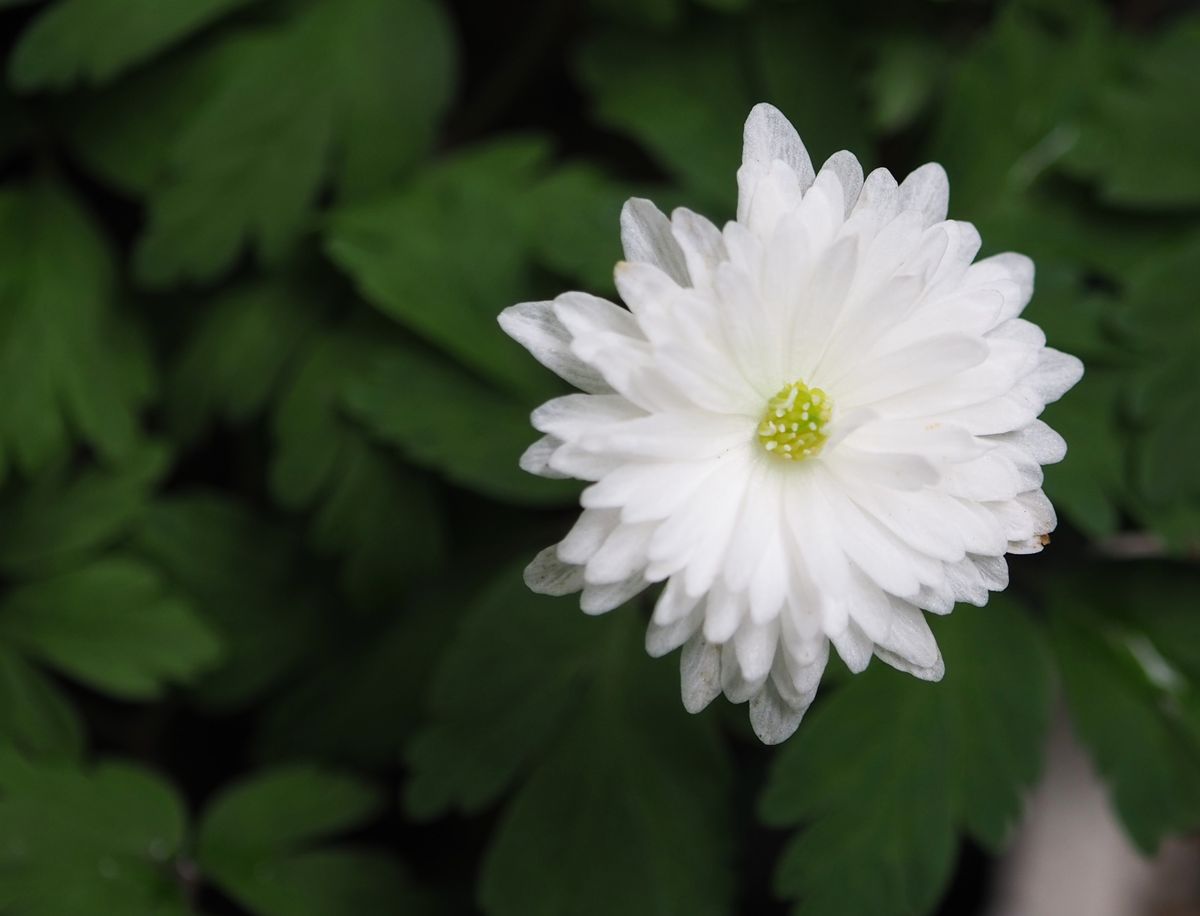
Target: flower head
x,y
813,425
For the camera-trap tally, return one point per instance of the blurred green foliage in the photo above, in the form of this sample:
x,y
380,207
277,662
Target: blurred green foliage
x,y
264,648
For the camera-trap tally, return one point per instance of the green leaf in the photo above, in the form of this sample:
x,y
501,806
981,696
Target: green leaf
x,y
383,519
1090,485
617,785
254,842
35,717
684,96
1154,600
234,360
77,842
328,883
279,811
890,768
1044,65
503,689
123,133
53,522
351,91
382,674
66,367
576,232
448,421
631,804
1133,143
244,575
1163,320
113,624
1132,719
798,49
997,699
447,253
907,74
93,40
384,548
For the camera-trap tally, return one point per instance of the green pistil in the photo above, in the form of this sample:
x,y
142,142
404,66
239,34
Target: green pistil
x,y
793,426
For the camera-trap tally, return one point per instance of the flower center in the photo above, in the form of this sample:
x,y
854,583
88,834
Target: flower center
x,y
793,426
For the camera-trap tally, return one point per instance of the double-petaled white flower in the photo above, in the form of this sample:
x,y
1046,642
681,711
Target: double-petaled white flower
x,y
812,425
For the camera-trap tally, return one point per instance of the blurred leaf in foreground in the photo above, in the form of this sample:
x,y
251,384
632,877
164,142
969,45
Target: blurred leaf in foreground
x,y
236,355
447,420
35,716
351,90
242,574
114,624
445,254
889,770
1161,297
256,841
1036,69
1135,143
80,842
380,517
1090,486
1137,714
379,674
684,95
57,518
535,695
66,368
94,40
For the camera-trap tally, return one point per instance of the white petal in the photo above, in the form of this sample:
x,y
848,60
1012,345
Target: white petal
x,y
754,646
1041,509
768,136
735,684
1032,545
622,555
548,575
915,366
909,637
648,290
535,326
772,719
854,647
723,614
1056,373
600,599
646,237
934,672
927,190
699,673
664,638
993,571
587,316
675,604
574,415
1042,443
776,192
1009,273
536,458
702,245
846,166
590,530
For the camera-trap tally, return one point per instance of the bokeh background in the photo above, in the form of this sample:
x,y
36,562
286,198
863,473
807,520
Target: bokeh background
x,y
264,646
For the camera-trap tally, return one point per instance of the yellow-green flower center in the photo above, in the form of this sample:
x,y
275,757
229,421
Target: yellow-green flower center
x,y
793,426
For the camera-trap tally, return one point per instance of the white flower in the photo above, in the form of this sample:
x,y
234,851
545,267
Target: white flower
x,y
813,425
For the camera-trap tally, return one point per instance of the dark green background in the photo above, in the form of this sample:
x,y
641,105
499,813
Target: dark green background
x,y
264,647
